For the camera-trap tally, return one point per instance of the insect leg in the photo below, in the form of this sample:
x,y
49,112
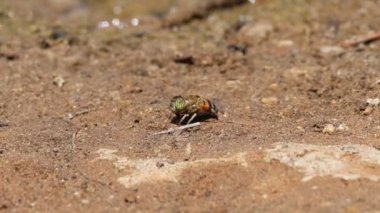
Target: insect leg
x,y
183,118
192,118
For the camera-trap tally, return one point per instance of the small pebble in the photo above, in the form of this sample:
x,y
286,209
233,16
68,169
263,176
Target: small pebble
x,y
270,100
368,110
85,201
59,81
329,129
374,102
332,50
342,128
256,31
300,128
160,164
285,43
274,87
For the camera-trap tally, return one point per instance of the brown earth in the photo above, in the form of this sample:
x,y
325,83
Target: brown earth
x,y
275,69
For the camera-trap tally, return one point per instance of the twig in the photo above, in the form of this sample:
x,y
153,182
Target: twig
x,y
178,128
363,40
75,114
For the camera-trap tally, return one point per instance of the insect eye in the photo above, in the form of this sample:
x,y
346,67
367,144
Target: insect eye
x,y
179,104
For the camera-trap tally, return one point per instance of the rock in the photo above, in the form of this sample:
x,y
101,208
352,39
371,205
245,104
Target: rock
x,y
300,128
85,201
154,170
285,43
135,89
331,50
270,100
342,128
256,31
59,81
329,129
373,102
274,87
368,110
347,161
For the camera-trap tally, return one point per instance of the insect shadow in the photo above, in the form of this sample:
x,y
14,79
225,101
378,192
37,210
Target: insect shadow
x,y
199,118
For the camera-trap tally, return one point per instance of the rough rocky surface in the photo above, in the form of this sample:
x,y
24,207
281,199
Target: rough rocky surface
x,y
348,162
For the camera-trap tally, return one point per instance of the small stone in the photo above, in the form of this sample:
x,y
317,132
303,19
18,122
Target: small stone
x,y
373,102
342,128
285,43
160,164
300,128
332,50
207,61
329,129
33,204
135,89
77,194
59,81
368,110
270,100
274,87
85,201
256,31
70,116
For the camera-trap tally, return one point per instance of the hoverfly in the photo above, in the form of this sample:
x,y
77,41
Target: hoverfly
x,y
193,106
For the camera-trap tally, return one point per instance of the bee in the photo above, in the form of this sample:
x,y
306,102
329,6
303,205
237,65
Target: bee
x,y
192,105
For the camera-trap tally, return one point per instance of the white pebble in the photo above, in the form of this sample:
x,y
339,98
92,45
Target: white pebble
x,y
329,129
342,127
373,102
331,50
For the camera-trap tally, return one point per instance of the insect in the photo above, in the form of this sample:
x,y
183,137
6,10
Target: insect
x,y
192,105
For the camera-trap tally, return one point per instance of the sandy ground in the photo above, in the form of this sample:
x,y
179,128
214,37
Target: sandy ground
x,y
86,84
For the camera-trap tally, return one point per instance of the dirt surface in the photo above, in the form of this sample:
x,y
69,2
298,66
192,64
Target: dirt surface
x,y
85,84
